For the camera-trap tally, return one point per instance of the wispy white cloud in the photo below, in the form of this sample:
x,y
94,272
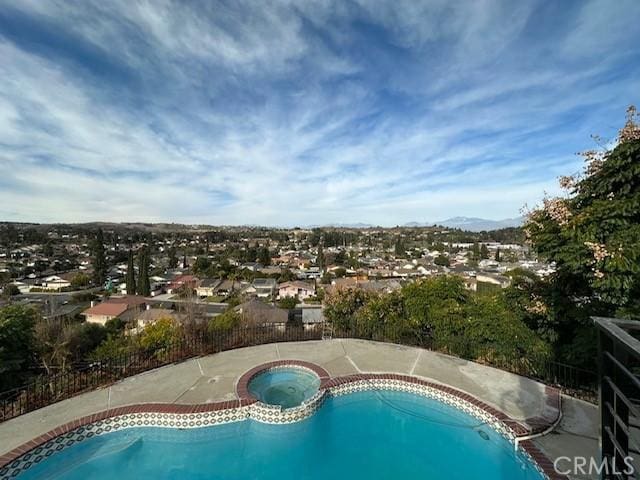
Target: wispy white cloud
x,y
301,113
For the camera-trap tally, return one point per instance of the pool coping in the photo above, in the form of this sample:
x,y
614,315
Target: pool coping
x,y
193,416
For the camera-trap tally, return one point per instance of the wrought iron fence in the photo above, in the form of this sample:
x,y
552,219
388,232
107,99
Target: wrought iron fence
x,y
619,378
46,390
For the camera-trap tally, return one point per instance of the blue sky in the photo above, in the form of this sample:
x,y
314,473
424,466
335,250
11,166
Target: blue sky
x,y
285,113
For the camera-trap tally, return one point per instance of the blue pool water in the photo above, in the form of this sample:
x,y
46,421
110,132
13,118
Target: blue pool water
x,y
368,435
287,387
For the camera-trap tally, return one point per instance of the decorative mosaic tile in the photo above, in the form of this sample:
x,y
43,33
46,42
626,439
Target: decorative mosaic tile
x,y
275,414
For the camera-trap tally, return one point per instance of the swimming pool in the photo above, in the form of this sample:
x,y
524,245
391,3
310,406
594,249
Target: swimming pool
x,y
362,435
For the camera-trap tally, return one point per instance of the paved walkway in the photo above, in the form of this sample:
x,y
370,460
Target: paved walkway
x,y
213,378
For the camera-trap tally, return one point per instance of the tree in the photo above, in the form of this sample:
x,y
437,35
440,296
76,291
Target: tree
x,y
226,270
115,327
286,276
131,275
399,248
11,290
160,335
497,257
493,334
592,233
80,280
144,286
224,322
435,307
484,252
528,296
340,272
442,260
288,302
173,258
264,257
340,258
509,256
17,344
113,348
11,235
320,260
99,260
353,261
475,251
252,254
439,312
341,305
84,338
201,265
52,343
384,316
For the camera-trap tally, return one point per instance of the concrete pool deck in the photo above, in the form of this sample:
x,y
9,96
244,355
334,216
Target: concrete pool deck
x,y
214,377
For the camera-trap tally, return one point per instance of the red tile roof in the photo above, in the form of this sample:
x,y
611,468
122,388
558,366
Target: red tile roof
x,y
107,309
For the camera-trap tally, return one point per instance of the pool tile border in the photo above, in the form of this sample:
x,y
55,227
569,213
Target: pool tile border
x,y
201,415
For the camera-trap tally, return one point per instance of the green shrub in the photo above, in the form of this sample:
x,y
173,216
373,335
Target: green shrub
x,y
288,302
224,322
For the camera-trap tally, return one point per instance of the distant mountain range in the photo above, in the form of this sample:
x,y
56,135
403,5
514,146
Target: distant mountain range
x,y
342,225
472,224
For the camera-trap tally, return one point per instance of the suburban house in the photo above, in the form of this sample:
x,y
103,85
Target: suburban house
x,y
265,287
103,312
207,287
124,308
272,270
190,281
226,287
385,285
252,266
310,273
488,265
54,282
493,279
257,313
406,271
299,289
157,285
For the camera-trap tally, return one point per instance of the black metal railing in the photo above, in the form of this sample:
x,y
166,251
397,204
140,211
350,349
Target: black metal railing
x,y
619,372
45,390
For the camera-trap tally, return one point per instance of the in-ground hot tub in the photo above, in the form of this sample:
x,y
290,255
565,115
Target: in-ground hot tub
x,y
284,386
